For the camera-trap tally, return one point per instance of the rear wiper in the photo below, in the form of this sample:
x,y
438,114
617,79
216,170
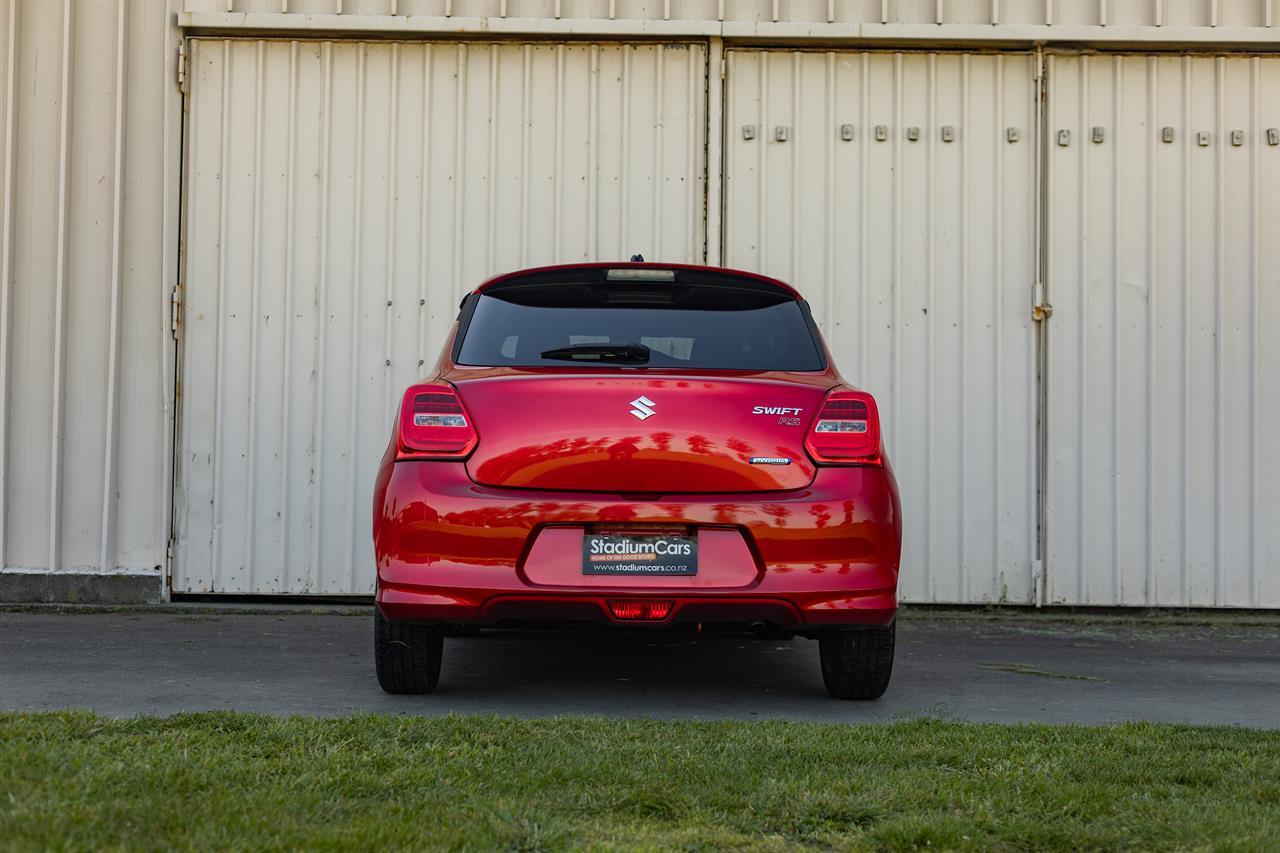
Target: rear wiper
x,y
630,353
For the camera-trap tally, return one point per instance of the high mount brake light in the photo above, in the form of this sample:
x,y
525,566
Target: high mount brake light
x,y
846,430
434,424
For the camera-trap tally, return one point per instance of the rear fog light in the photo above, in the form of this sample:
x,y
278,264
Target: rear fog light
x,y
640,610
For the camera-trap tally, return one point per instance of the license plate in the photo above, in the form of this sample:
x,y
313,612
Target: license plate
x,y
650,554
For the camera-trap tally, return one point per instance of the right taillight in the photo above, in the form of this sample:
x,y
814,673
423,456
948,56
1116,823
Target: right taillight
x,y
434,424
846,430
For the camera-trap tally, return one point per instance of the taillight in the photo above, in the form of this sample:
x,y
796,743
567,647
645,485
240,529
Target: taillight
x,y
434,424
846,430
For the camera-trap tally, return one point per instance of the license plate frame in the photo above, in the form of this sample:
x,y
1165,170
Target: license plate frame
x,y
640,554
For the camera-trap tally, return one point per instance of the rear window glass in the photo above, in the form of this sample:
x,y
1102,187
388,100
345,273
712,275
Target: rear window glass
x,y
610,325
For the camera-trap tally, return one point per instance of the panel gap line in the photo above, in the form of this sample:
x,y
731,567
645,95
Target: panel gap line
x,y
459,170
6,271
593,157
997,266
962,204
357,285
798,124
389,246
1152,593
829,129
557,164
1219,311
624,200
1255,338
930,325
491,176
286,392
425,305
694,189
864,266
60,283
106,549
526,117
215,531
1185,577
659,75
316,463
255,305
1117,277
762,191
1082,331
895,348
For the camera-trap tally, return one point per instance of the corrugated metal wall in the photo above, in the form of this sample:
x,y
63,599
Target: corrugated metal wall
x,y
87,242
918,256
341,199
1195,13
1163,269
1164,347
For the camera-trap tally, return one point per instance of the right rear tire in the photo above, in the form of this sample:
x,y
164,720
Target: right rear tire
x,y
856,664
406,654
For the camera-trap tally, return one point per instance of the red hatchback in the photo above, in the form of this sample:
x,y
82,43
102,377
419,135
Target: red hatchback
x,y
637,445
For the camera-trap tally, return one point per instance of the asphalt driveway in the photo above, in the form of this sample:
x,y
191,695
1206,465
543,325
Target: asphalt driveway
x,y
970,667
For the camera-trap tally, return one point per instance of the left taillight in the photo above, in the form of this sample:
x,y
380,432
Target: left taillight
x,y
846,430
434,424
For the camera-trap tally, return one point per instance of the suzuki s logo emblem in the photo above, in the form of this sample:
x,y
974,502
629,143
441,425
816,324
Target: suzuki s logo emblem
x,y
643,408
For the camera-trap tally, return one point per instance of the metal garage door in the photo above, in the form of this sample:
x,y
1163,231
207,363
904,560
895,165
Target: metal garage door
x,y
1164,347
898,192
339,199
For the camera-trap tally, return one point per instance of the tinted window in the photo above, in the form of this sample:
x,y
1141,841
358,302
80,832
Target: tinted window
x,y
697,326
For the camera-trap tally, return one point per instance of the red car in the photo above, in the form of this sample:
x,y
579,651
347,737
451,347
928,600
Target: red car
x,y
638,445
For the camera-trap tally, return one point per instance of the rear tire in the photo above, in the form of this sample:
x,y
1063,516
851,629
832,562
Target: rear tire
x,y
857,664
406,654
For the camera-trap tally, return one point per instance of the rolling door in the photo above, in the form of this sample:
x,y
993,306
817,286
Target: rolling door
x,y
339,199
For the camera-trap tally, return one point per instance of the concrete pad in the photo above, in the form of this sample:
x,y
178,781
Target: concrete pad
x,y
1012,669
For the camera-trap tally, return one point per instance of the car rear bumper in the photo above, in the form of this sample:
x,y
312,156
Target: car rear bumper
x,y
450,550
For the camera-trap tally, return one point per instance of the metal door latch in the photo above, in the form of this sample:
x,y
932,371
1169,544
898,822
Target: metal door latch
x,y
1040,310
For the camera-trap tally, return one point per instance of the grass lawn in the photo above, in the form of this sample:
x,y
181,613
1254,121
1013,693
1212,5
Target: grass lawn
x,y
231,780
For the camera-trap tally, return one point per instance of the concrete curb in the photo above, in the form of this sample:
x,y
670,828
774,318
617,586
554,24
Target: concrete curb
x,y
79,588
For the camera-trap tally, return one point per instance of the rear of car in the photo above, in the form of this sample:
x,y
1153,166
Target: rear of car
x,y
637,445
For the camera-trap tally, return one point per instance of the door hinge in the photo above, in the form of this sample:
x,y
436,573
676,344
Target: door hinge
x,y
1040,309
182,66
175,310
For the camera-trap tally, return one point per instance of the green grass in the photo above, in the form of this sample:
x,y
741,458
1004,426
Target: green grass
x,y
231,780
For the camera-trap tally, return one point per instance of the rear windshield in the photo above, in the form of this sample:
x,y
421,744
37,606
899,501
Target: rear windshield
x,y
611,325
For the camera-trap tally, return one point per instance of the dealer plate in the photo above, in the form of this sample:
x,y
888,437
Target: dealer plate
x,y
650,554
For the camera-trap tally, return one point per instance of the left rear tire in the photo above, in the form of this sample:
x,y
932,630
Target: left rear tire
x,y
407,655
857,664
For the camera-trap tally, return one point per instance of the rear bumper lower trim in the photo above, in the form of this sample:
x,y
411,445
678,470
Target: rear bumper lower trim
x,y
476,607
